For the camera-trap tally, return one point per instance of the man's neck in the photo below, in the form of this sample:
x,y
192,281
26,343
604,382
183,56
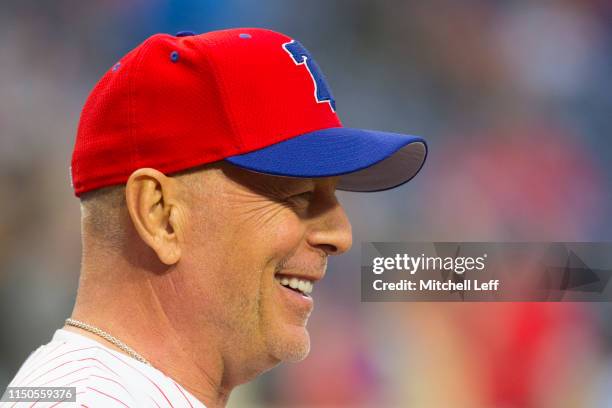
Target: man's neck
x,y
151,335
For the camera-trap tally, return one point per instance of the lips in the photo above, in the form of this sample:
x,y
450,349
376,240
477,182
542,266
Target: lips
x,y
296,282
300,285
296,303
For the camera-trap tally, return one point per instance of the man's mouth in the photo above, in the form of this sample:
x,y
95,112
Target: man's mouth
x,y
300,285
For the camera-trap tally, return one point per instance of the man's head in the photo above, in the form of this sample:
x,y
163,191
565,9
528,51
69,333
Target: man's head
x,y
227,150
229,236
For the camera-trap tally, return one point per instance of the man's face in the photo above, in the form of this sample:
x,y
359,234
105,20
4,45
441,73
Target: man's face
x,y
249,234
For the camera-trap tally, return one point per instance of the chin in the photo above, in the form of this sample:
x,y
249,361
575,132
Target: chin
x,y
292,346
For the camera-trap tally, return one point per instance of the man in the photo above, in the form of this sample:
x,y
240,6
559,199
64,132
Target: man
x,y
207,167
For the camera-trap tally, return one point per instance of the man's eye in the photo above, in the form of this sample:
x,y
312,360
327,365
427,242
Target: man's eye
x,y
304,197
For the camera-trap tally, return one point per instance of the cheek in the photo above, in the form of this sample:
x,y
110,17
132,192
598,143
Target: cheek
x,y
287,236
210,258
262,243
235,256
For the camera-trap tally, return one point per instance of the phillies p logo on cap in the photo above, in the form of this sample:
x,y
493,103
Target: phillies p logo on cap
x,y
301,56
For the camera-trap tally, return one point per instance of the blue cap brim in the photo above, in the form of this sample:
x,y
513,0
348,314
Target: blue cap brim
x,y
365,160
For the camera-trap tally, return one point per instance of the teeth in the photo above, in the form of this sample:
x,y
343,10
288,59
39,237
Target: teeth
x,y
303,285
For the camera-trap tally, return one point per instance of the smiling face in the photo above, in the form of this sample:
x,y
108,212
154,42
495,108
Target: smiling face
x,y
256,247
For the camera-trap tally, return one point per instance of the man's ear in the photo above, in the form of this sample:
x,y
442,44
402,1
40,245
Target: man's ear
x,y
151,201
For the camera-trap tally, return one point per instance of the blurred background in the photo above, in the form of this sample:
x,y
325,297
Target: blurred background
x,y
515,99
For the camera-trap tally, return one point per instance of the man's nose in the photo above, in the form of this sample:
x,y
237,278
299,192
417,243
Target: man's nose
x,y
331,231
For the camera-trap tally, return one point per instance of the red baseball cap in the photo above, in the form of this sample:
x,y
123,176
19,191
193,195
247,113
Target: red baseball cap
x,y
253,97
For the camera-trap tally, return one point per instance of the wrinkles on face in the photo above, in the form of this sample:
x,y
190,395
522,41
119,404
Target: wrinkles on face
x,y
250,209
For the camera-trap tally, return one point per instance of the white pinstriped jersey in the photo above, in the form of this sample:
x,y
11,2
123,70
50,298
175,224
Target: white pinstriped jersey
x,y
104,378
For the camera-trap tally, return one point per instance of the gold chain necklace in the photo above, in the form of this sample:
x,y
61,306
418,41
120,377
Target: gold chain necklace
x,y
107,337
